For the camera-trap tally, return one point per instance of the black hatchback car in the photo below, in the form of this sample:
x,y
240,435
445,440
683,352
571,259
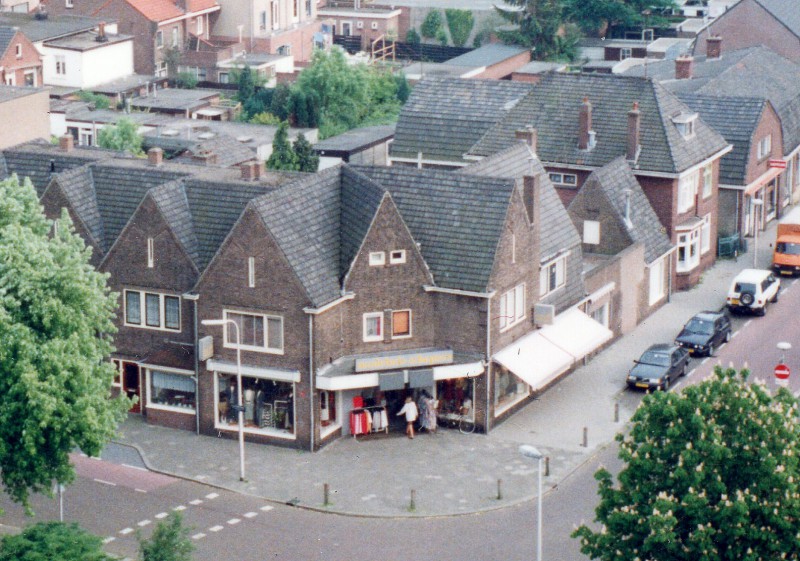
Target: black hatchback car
x,y
704,333
658,367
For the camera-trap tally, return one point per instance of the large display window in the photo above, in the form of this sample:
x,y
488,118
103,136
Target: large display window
x,y
268,405
509,390
456,397
171,391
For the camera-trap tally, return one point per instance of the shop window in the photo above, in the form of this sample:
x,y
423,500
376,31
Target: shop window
x,y
688,251
508,389
377,258
708,181
171,391
373,326
160,311
401,324
512,307
268,405
257,332
327,409
456,397
553,276
397,257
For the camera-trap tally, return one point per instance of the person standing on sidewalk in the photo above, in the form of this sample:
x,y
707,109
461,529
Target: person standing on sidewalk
x,y
409,409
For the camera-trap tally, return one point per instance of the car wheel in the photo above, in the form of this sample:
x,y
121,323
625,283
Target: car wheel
x,y
762,311
775,298
727,337
747,298
666,384
683,371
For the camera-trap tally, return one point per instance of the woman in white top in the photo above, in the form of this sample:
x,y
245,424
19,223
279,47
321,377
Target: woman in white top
x,y
411,413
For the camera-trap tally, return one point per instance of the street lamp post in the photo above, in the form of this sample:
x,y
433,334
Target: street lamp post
x,y
757,204
239,403
530,452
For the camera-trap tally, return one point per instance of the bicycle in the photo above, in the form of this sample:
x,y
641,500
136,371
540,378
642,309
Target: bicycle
x,y
461,420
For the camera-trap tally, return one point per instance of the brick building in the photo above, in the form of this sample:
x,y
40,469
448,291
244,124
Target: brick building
x,y
20,62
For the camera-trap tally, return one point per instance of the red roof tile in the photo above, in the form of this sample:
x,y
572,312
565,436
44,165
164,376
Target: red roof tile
x,y
157,10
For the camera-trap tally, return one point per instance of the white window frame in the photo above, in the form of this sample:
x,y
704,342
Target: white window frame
x,y
160,39
764,147
656,285
369,316
708,181
705,234
161,406
512,307
591,232
162,307
410,328
18,50
563,179
374,25
251,272
68,4
61,64
625,53
276,23
359,24
199,25
228,344
151,253
687,191
689,241
560,264
377,258
32,74
600,315
397,257
85,137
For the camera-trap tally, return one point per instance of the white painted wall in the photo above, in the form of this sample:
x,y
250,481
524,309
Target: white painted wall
x,y
86,69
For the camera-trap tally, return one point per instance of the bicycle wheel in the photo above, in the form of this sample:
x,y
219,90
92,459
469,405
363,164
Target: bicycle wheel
x,y
465,425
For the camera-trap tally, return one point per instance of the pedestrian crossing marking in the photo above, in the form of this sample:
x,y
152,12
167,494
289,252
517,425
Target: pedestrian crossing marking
x,y
179,508
233,521
266,508
212,495
196,502
109,539
143,523
161,515
250,514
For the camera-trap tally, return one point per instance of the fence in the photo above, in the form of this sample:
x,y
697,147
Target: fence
x,y
406,51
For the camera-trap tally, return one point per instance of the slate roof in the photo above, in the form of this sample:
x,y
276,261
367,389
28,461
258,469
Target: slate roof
x,y
51,28
456,218
78,186
613,180
174,205
228,150
486,55
361,198
444,117
8,93
6,36
785,11
553,107
735,118
356,139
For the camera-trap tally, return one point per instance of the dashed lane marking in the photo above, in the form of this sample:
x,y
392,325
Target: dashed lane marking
x,y
109,539
692,371
198,536
140,490
233,521
105,482
250,514
125,531
212,495
161,515
196,502
266,508
143,523
134,467
215,528
179,508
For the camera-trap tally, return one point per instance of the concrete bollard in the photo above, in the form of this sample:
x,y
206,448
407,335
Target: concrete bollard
x,y
585,437
616,412
546,466
499,489
326,492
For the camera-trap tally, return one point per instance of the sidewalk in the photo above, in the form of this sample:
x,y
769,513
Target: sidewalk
x,y
451,473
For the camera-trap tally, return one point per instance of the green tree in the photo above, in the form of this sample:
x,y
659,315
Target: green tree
x,y
432,24
403,88
186,80
709,474
170,541
281,101
282,157
50,541
99,101
246,84
264,119
412,36
172,58
123,135
460,23
307,158
56,322
538,23
299,108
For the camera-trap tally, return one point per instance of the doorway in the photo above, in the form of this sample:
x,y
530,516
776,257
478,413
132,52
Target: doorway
x,y
130,385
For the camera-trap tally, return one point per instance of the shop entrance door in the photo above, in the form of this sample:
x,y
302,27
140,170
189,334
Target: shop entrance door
x,y
130,384
394,402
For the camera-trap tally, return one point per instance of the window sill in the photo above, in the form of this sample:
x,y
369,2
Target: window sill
x,y
277,433
498,411
512,325
172,409
264,350
324,432
151,328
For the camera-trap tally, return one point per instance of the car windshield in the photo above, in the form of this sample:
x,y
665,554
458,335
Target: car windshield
x,y
700,326
788,248
655,358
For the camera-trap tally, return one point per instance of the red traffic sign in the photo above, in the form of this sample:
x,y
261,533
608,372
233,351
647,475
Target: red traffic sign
x,y
782,372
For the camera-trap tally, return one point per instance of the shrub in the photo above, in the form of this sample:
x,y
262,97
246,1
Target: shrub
x,y
432,25
460,23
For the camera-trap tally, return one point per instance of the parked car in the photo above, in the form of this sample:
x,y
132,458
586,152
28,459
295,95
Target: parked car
x,y
705,332
752,290
658,367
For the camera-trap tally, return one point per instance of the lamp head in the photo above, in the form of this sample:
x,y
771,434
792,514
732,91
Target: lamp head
x,y
530,452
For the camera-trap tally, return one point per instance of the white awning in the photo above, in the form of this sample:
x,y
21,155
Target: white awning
x,y
254,371
372,379
541,356
468,370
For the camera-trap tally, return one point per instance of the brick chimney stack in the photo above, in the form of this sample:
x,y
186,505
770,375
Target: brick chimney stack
x,y
684,67
585,124
155,156
529,136
66,142
101,33
714,47
634,124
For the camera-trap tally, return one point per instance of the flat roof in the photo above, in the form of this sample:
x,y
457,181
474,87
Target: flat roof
x,y
86,41
173,98
52,27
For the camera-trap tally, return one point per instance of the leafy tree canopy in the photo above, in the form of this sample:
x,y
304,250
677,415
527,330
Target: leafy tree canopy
x,y
56,324
53,540
170,541
710,474
282,157
124,135
432,24
307,159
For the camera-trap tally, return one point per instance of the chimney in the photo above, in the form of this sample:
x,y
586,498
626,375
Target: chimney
x,y
66,142
258,169
101,33
585,121
531,194
248,170
155,156
714,47
684,67
634,121
205,157
529,136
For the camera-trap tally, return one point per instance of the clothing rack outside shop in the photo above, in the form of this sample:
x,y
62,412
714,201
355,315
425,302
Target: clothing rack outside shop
x,y
369,420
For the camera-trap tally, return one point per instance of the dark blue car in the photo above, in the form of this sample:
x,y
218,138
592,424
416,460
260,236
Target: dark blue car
x,y
658,367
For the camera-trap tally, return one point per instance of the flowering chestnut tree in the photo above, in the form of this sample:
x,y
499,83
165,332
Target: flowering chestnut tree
x,y
710,474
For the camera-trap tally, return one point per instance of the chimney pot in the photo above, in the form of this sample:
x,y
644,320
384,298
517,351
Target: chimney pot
x,y
155,156
101,33
634,125
251,171
529,136
585,124
66,143
714,46
684,67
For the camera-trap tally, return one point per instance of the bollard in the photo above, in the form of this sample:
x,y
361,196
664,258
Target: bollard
x,y
326,492
616,412
413,505
585,437
546,466
499,489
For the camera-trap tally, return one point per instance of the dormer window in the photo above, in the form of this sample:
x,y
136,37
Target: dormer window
x,y
685,123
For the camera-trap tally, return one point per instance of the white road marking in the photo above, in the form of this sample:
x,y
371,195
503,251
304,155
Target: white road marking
x,y
266,508
198,536
126,531
215,528
234,521
196,502
702,362
179,508
134,467
212,495
161,515
105,482
140,490
734,334
748,322
143,523
692,371
109,539
250,514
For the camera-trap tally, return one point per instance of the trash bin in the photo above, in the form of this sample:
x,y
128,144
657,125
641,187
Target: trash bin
x,y
728,246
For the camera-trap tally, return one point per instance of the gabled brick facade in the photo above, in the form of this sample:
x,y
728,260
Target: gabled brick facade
x,y
20,61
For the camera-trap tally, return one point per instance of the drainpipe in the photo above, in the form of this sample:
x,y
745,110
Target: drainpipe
x,y
488,356
311,373
194,297
669,278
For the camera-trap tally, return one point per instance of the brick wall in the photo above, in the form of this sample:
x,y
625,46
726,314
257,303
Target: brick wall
x,y
53,200
506,67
